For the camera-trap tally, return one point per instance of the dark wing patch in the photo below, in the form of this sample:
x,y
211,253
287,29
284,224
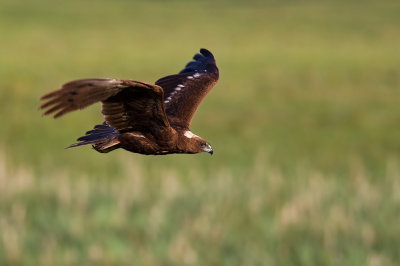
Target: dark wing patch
x,y
200,63
184,91
137,109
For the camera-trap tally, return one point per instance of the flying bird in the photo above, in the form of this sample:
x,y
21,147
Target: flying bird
x,y
150,119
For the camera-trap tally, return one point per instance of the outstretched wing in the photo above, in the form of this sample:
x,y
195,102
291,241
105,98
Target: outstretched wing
x,y
184,91
126,104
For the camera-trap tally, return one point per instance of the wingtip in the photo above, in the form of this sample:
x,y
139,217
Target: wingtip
x,y
44,97
206,53
49,95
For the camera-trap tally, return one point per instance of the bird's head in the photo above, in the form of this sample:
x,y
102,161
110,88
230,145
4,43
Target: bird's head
x,y
205,147
196,144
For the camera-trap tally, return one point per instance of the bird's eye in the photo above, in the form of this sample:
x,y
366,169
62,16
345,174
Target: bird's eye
x,y
202,144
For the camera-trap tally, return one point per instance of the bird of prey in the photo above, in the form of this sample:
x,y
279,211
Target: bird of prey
x,y
150,119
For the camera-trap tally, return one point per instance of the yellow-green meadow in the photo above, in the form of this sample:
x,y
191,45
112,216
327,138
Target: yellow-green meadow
x,y
304,122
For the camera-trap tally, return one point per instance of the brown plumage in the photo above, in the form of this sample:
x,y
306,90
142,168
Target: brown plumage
x,y
141,117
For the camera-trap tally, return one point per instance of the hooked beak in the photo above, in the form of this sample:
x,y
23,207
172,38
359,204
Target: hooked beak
x,y
209,149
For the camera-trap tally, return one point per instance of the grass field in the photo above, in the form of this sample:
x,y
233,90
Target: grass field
x,y
304,123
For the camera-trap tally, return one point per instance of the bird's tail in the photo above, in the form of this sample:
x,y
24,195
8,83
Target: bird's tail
x,y
103,138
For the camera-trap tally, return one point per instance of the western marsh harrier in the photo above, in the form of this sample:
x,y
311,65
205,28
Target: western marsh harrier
x,y
141,117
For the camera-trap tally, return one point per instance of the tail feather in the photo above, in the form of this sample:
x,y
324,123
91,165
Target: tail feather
x,y
94,136
103,138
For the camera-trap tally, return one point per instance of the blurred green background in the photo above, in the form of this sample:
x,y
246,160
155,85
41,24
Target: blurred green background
x,y
304,123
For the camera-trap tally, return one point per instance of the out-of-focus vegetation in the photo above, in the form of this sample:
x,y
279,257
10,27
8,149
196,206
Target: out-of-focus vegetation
x,y
304,123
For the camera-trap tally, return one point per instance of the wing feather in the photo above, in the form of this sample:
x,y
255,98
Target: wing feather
x,y
79,94
126,104
184,91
